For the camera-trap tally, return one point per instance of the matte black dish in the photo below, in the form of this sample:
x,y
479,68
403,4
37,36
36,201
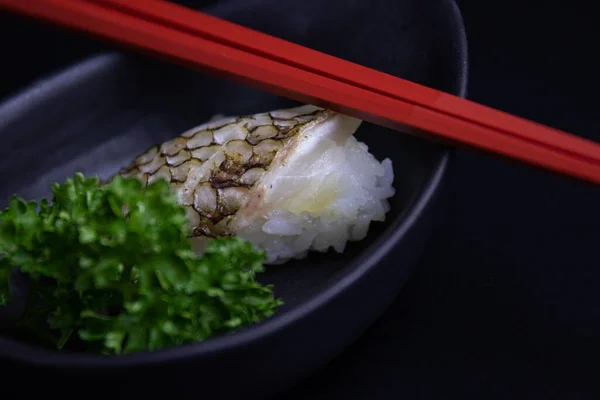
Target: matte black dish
x,y
98,114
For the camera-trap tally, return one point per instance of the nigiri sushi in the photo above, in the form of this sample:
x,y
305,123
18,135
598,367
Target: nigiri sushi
x,y
289,181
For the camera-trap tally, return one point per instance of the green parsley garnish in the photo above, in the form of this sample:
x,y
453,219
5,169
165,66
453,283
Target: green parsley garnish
x,y
112,265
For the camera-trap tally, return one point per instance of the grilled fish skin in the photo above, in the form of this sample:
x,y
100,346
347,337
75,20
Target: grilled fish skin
x,y
214,167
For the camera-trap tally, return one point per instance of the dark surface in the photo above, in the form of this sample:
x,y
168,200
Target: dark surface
x,y
98,115
505,304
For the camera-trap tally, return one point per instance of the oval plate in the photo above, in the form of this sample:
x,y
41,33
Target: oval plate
x,y
97,115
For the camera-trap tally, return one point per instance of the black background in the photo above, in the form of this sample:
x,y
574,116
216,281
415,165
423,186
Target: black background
x,y
506,302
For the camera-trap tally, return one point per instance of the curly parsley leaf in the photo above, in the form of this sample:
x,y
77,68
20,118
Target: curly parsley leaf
x,y
113,264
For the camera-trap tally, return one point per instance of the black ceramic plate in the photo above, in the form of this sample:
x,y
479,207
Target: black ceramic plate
x,y
97,115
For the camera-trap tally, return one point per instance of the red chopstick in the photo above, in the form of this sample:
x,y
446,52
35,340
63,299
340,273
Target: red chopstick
x,y
211,28
200,41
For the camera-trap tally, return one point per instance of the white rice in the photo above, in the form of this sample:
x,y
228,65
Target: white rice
x,y
361,187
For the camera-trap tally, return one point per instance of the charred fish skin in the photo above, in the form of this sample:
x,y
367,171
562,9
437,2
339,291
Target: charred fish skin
x,y
213,167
